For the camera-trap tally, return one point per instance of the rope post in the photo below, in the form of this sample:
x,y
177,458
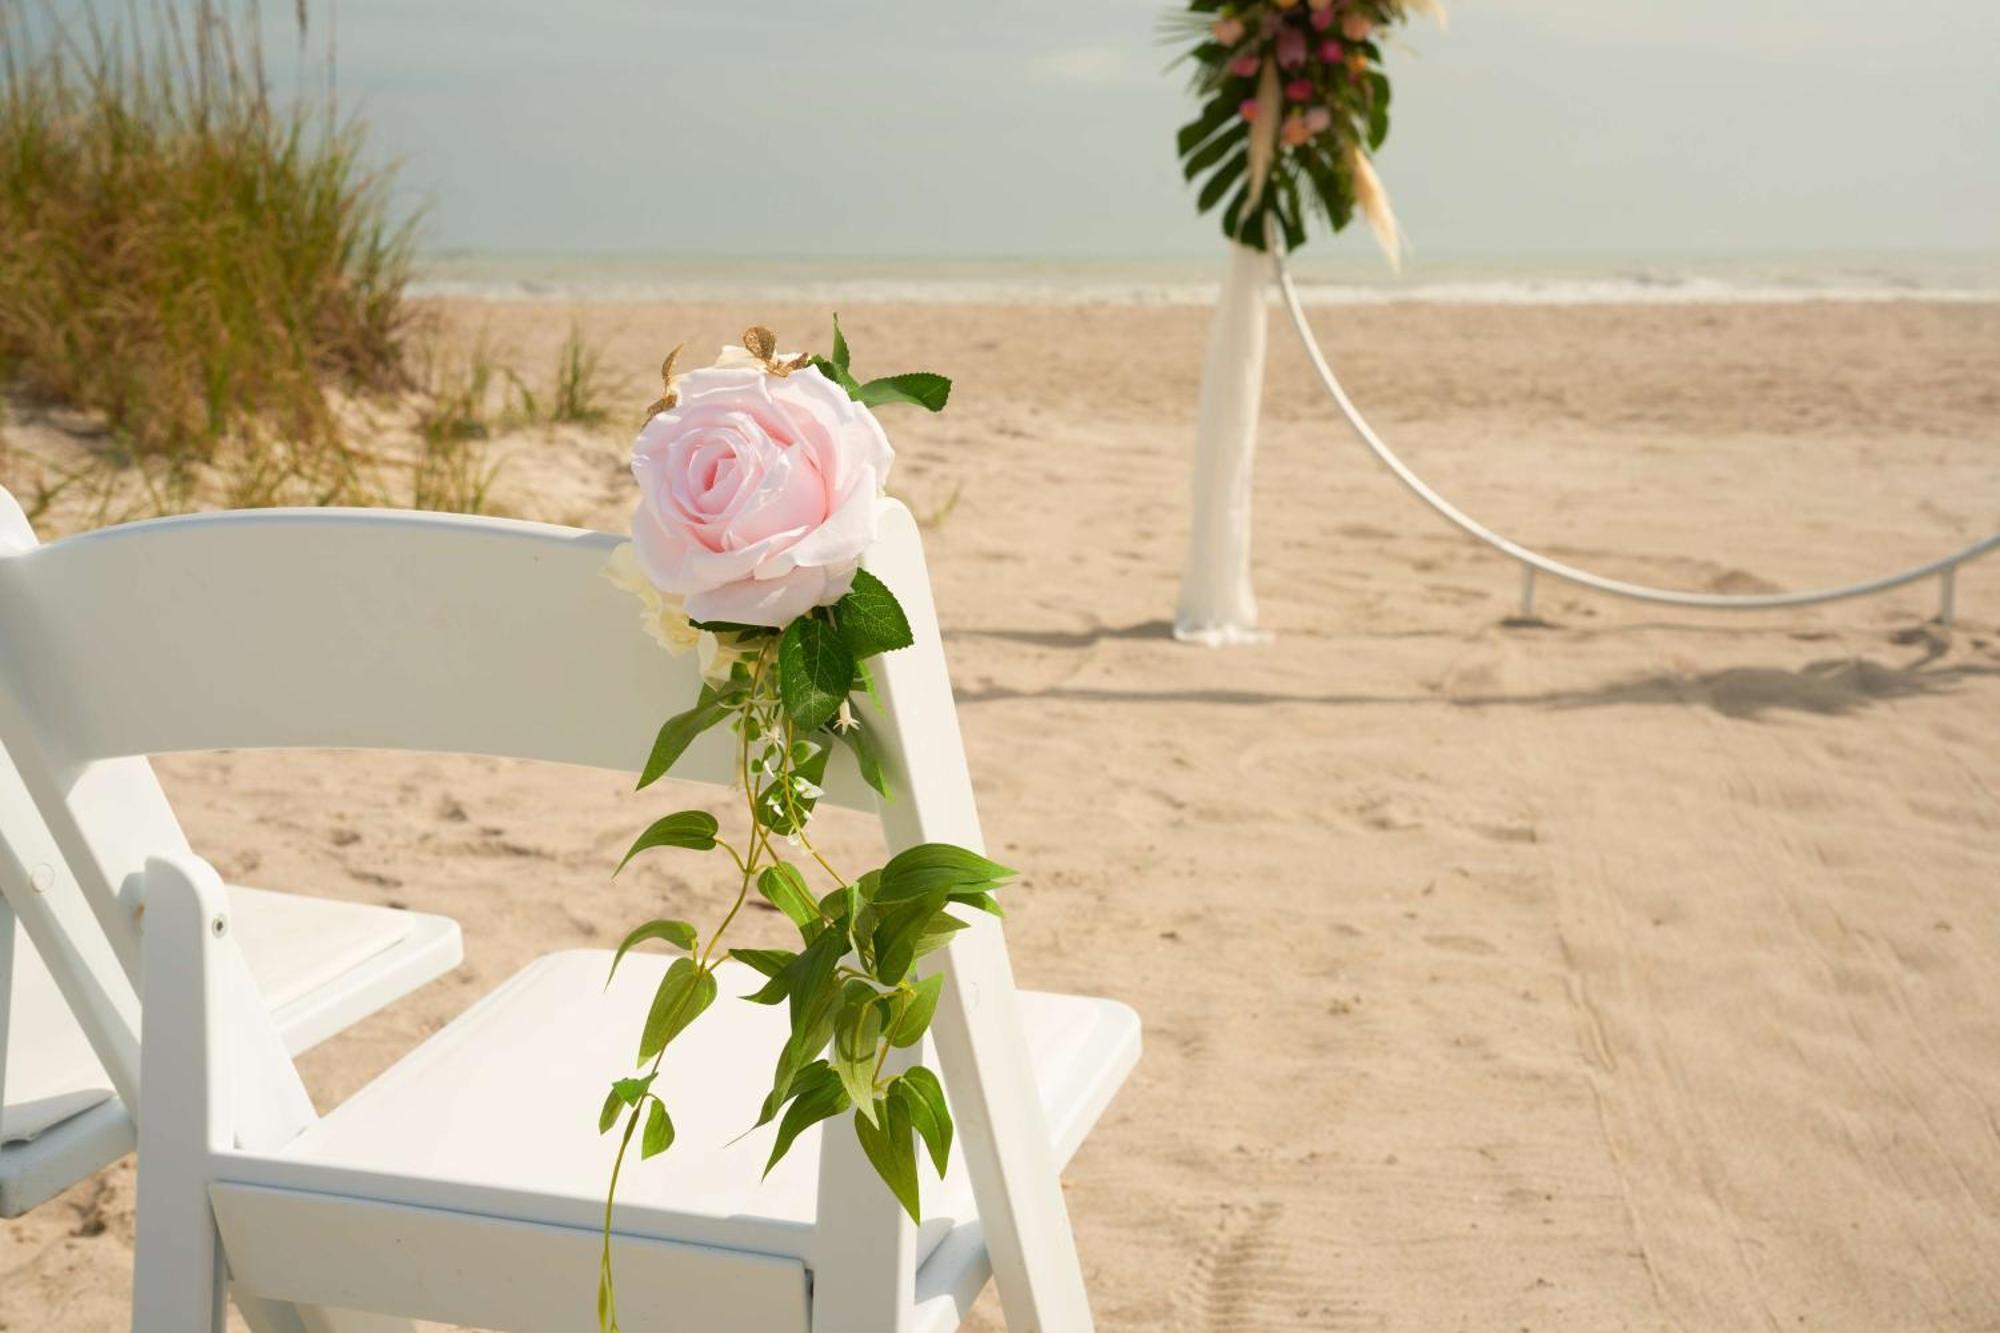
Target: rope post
x,y
1527,591
1947,595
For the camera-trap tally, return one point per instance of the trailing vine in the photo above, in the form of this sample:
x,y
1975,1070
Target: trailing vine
x,y
850,989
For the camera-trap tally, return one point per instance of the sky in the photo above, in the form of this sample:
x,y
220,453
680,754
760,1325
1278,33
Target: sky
x,y
1044,128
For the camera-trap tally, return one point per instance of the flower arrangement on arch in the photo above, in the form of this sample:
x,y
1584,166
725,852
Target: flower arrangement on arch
x,y
759,479
1295,102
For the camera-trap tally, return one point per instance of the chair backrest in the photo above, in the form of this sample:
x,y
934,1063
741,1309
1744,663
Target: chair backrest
x,y
377,629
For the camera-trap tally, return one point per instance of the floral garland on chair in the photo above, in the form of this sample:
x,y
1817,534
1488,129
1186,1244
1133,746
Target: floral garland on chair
x,y
759,482
1295,102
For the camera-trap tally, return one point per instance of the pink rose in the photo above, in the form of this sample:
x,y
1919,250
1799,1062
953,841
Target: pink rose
x,y
1244,66
1322,19
1294,131
1356,26
1228,31
757,493
1330,52
1291,48
1319,120
1248,110
1299,90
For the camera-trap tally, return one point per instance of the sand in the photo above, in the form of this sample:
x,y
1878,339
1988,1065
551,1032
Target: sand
x,y
1637,969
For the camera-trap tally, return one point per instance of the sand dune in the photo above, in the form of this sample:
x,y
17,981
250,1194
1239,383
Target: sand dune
x,y
1635,970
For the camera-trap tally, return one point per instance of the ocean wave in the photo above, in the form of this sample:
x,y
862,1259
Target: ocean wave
x,y
578,285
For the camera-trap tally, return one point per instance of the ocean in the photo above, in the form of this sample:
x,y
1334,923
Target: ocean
x,y
1473,280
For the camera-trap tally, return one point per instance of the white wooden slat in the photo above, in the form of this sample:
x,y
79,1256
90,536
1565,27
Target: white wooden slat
x,y
982,1049
36,883
495,1273
33,1173
311,628
187,1059
103,818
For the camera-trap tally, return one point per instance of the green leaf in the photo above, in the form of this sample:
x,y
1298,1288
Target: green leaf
x,y
770,962
659,1132
1212,151
860,742
813,991
1225,176
1378,111
683,994
1198,129
679,732
694,829
980,899
817,1094
773,991
938,933
839,345
1242,223
785,889
630,1090
899,930
673,932
809,1037
917,870
773,963
915,1019
857,1036
815,671
838,376
870,618
608,1117
918,388
843,905
922,1098
892,1150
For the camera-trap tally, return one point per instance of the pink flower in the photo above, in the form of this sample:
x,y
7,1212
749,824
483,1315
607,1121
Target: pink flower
x,y
1248,110
1320,6
1295,131
1299,90
1355,26
1322,19
1291,48
1244,66
1330,52
1227,30
1318,119
757,493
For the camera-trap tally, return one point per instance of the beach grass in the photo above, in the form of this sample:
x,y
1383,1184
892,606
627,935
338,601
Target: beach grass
x,y
213,279
200,265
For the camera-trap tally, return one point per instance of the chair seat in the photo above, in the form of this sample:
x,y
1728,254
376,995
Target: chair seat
x,y
497,1113
319,964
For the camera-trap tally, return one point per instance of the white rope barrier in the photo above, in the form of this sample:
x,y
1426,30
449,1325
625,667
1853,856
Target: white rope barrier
x,y
1944,569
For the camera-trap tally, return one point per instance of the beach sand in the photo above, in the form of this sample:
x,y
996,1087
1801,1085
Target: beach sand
x,y
1635,969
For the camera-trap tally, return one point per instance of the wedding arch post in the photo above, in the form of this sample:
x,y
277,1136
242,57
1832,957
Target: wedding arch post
x,y
1294,100
1217,604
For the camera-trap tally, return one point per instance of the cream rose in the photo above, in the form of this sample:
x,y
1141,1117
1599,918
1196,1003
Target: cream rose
x,y
757,493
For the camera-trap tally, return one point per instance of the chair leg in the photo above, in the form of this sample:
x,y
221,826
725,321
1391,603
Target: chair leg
x,y
177,1281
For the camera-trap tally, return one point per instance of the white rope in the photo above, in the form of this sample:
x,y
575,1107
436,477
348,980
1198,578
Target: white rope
x,y
1944,568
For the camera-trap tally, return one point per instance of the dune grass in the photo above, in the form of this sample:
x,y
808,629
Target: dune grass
x,y
185,256
213,278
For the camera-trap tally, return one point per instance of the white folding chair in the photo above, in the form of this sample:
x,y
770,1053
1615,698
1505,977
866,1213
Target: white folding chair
x,y
68,1051
465,1184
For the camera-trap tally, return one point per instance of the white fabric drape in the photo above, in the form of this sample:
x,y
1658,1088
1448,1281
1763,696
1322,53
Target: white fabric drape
x,y
1217,606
